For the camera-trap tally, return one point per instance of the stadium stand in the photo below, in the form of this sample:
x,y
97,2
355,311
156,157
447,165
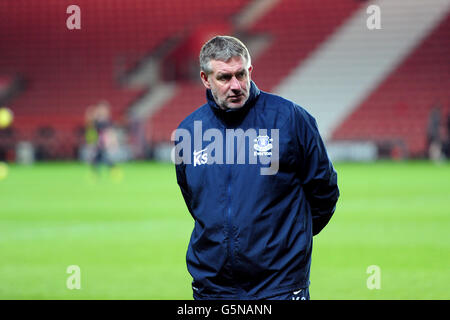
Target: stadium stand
x,y
296,26
67,70
397,112
141,56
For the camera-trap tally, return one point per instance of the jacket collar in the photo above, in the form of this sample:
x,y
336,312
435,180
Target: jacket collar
x,y
252,97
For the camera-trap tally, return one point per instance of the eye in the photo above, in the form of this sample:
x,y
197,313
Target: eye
x,y
224,77
241,74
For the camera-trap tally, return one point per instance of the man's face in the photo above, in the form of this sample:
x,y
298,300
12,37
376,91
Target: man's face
x,y
229,82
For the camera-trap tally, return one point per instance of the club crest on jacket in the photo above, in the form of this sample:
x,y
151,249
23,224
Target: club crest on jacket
x,y
262,146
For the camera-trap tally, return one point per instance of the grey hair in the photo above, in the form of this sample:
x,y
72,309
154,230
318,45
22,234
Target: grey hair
x,y
222,48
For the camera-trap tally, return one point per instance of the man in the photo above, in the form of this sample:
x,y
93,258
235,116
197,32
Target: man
x,y
253,230
101,137
434,139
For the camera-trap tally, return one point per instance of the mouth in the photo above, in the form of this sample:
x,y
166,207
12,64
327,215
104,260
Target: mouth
x,y
236,97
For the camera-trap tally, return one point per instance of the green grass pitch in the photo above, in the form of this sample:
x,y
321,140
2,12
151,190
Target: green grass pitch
x,y
128,233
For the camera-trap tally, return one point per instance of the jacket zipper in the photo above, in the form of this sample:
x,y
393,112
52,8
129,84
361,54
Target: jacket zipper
x,y
230,229
229,223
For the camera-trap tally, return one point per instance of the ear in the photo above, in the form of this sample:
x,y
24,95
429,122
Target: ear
x,y
205,80
250,69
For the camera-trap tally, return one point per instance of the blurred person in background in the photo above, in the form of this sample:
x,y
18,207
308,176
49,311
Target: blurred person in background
x,y
447,138
100,136
253,233
434,136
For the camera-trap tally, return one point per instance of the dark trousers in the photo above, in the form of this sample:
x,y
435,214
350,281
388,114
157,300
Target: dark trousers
x,y
300,294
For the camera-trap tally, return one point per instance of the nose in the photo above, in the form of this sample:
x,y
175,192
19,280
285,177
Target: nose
x,y
235,85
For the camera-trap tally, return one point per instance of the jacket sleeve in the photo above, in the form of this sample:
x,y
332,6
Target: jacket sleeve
x,y
181,180
318,176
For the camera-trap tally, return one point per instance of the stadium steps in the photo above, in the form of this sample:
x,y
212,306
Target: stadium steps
x,y
399,107
347,67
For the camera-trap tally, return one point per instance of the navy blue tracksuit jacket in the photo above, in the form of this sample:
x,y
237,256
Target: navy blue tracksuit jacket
x,y
253,232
